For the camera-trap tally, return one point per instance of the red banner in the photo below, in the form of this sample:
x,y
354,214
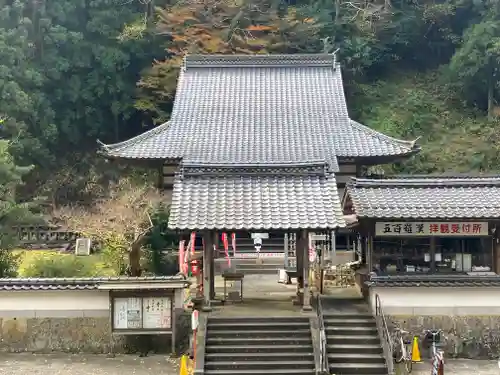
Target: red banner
x,y
181,256
233,243
193,240
225,242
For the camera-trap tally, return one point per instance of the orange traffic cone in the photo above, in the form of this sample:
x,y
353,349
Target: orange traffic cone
x,y
415,351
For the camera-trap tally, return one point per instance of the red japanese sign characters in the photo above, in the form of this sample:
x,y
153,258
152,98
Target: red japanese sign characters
x,y
394,228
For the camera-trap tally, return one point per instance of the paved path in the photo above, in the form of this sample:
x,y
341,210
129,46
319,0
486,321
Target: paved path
x,y
77,364
459,367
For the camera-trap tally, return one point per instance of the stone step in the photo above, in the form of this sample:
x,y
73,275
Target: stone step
x,y
249,348
252,320
348,315
355,348
355,358
259,340
350,339
358,322
358,368
259,364
267,270
259,333
271,261
351,331
262,356
242,325
283,371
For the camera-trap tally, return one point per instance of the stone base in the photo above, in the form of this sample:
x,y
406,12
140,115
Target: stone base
x,y
84,335
472,337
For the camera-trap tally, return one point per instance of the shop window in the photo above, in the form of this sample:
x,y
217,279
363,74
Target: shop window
x,y
391,256
452,255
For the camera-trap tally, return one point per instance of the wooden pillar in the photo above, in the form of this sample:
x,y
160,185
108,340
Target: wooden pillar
x,y
207,270
369,252
212,265
306,302
496,251
299,254
433,254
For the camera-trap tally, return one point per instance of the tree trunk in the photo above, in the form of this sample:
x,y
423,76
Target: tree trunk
x,y
134,256
337,12
491,104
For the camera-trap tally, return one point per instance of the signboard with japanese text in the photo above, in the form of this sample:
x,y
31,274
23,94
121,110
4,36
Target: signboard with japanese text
x,y
127,313
142,313
157,313
431,228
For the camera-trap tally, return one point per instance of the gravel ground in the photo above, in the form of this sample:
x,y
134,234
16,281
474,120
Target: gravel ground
x,y
44,364
458,367
77,364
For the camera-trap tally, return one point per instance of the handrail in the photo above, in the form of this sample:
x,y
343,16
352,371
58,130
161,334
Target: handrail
x,y
322,337
385,334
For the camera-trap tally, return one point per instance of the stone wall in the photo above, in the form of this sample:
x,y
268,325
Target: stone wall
x,y
83,334
473,337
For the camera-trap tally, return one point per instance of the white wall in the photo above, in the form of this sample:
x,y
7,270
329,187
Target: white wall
x,y
438,301
55,303
54,300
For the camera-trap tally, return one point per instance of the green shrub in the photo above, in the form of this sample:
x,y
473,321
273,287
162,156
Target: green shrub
x,y
159,243
60,265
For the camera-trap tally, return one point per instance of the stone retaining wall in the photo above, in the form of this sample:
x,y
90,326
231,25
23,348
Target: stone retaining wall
x,y
473,337
83,334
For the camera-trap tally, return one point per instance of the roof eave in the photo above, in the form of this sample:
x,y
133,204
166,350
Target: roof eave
x,y
379,159
257,228
434,218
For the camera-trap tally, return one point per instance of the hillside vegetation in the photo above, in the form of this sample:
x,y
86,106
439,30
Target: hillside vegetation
x,y
72,72
455,138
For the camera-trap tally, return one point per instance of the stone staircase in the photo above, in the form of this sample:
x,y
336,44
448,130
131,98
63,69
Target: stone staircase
x,y
267,266
353,344
267,346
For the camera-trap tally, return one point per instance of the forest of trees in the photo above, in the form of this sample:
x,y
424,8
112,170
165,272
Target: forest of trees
x,y
74,71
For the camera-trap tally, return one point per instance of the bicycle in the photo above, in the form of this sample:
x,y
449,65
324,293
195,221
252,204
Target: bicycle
x,y
402,350
437,355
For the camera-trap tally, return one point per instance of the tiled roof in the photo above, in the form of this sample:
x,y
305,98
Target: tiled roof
x,y
242,197
260,109
7,284
434,281
430,197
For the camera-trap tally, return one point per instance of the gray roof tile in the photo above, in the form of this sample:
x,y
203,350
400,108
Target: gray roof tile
x,y
434,281
14,284
280,197
259,109
428,197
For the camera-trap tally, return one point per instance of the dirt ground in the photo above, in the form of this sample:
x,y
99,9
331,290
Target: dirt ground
x,y
77,364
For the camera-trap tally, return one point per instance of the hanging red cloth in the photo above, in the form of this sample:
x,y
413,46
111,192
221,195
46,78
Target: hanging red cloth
x,y
225,242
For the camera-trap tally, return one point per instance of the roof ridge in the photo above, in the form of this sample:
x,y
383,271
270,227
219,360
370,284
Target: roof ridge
x,y
252,61
197,164
320,169
420,182
141,137
381,136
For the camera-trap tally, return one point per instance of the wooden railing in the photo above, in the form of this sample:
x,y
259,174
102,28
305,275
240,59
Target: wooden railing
x,y
384,334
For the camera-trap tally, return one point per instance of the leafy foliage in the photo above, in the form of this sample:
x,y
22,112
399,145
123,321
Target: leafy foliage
x,y
120,221
12,211
60,265
158,242
74,71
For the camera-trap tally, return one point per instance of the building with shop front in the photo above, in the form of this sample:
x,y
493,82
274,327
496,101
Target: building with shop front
x,y
431,253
